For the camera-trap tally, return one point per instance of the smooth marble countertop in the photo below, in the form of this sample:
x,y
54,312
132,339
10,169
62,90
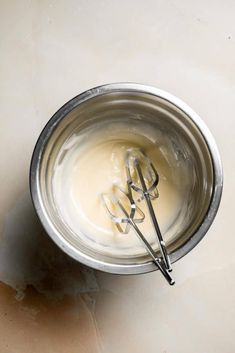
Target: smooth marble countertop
x,y
50,52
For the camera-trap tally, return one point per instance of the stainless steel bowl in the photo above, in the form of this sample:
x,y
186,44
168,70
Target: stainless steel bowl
x,y
190,137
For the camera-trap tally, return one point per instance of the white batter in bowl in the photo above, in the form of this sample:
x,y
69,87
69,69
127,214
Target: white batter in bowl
x,y
90,162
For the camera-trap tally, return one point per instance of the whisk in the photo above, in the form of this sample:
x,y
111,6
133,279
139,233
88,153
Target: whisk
x,y
143,178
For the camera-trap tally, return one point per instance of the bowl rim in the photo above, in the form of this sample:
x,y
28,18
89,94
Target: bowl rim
x,y
35,183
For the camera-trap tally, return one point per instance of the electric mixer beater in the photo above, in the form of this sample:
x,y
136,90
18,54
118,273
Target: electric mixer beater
x,y
121,205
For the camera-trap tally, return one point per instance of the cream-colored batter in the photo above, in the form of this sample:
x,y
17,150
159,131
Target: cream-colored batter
x,y
90,163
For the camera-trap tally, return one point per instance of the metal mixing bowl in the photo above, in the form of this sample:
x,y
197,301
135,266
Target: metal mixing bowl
x,y
190,138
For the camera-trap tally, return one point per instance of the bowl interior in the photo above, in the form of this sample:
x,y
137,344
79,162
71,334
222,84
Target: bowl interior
x,y
184,141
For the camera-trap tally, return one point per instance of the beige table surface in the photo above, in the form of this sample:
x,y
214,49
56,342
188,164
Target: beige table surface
x,y
50,52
